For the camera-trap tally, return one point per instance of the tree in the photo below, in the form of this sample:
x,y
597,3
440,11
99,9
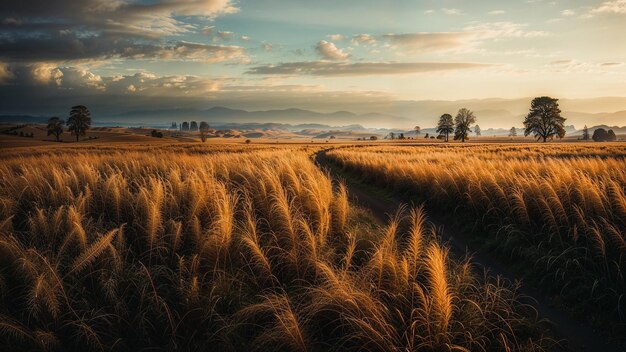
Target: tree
x,y
184,126
204,130
426,136
392,135
600,135
418,131
611,137
445,126
193,126
401,136
463,124
55,127
79,121
544,119
585,133
477,130
373,138
513,132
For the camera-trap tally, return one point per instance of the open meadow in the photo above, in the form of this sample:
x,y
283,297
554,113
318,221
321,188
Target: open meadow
x,y
556,213
246,247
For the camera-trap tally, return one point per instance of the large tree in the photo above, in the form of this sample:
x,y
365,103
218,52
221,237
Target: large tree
x,y
204,130
463,124
445,126
55,127
79,121
513,132
478,131
544,120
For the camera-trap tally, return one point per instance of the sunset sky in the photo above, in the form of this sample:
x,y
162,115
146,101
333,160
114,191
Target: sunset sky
x,y
125,55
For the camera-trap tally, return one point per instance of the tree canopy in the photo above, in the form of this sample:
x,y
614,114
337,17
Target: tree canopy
x,y
602,135
79,121
445,126
55,127
204,130
544,120
463,124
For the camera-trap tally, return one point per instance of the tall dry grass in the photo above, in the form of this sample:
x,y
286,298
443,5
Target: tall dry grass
x,y
179,249
558,210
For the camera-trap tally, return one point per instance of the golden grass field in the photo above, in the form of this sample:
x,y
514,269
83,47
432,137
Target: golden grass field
x,y
556,211
188,246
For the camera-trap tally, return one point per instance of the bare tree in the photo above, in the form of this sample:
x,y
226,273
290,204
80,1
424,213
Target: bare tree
x,y
513,132
79,121
463,124
418,131
544,119
55,127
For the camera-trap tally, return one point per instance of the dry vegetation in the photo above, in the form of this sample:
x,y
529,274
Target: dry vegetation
x,y
558,211
190,247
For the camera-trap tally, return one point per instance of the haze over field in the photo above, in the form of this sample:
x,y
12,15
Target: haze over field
x,y
380,64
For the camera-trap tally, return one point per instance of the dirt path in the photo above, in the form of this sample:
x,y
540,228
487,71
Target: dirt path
x,y
580,336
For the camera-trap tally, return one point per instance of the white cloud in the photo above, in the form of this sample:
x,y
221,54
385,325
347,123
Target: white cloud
x,y
503,30
364,39
568,13
616,7
329,51
335,37
496,12
448,11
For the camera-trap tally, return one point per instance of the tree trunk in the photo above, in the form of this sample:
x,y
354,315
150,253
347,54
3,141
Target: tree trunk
x,y
76,137
545,138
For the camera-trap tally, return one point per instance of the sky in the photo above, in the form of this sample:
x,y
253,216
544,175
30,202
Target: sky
x,y
357,55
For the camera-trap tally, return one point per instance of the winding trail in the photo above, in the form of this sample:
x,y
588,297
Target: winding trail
x,y
579,336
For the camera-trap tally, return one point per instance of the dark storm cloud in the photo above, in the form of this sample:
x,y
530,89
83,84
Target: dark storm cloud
x,y
65,30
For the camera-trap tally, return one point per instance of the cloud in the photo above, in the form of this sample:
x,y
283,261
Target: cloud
x,y
429,42
472,35
5,74
614,7
70,47
335,37
502,30
66,30
224,35
568,13
364,39
329,51
451,11
267,47
496,12
208,30
325,68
